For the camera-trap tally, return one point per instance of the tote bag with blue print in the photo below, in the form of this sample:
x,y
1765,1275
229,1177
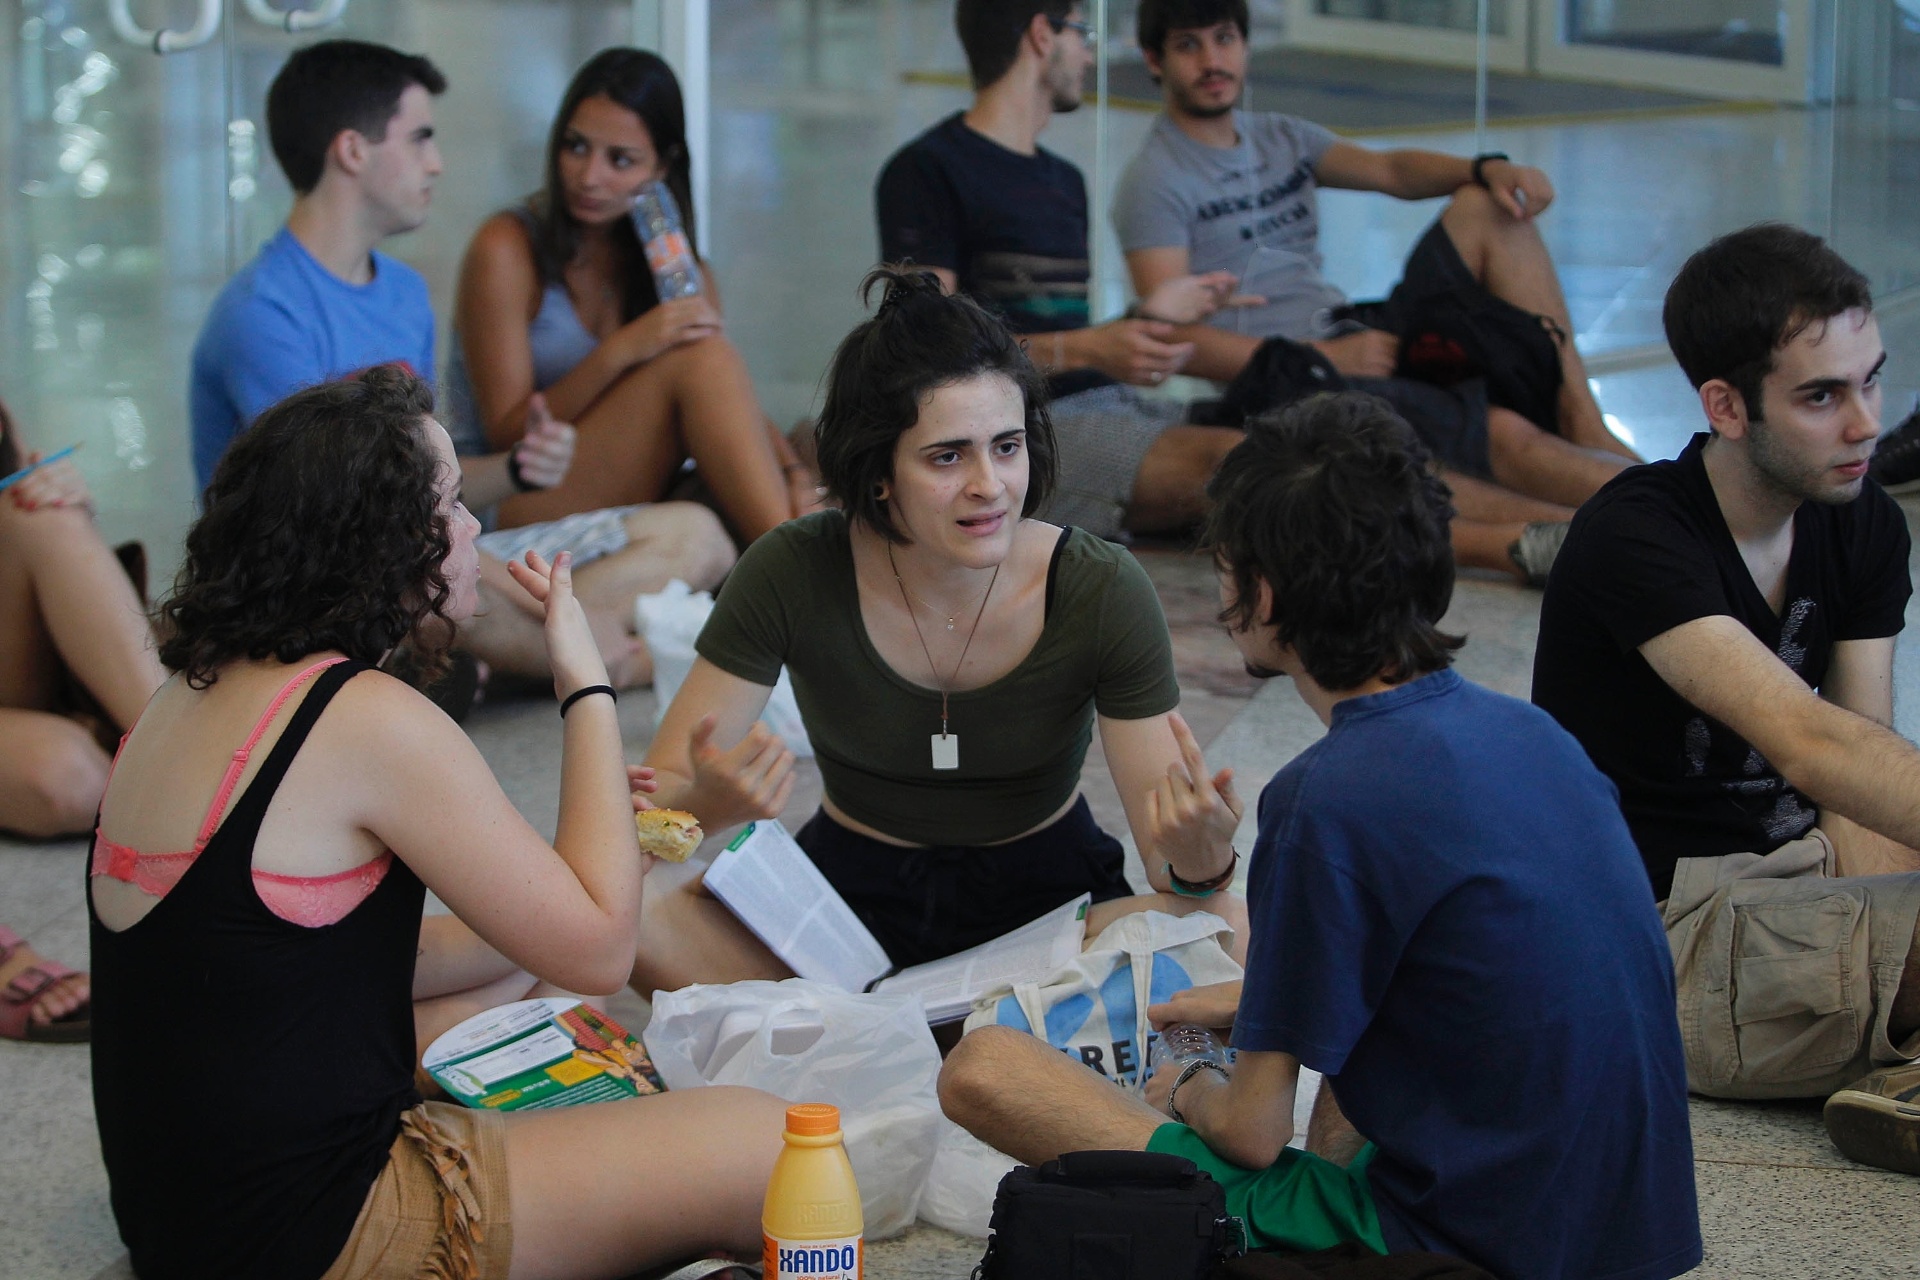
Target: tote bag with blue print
x,y
1095,1009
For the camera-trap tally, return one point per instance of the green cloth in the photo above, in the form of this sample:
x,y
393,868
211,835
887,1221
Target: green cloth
x,y
1300,1202
792,601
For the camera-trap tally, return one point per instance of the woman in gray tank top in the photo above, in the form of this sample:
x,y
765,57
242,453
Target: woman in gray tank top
x,y
556,297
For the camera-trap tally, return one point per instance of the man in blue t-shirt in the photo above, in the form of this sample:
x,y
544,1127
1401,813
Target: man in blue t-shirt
x,y
1449,921
351,125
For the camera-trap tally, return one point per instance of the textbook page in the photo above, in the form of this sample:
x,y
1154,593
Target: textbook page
x,y
766,879
553,1052
949,986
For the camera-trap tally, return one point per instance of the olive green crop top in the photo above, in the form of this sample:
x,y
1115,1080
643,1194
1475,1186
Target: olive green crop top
x,y
792,601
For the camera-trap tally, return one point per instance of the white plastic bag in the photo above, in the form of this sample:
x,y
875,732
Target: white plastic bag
x,y
1096,1007
870,1055
670,621
961,1185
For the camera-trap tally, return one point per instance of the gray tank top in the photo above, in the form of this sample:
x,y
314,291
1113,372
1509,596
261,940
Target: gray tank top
x,y
559,342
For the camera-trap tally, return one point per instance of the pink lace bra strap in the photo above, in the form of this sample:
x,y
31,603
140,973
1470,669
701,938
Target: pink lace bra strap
x,y
240,757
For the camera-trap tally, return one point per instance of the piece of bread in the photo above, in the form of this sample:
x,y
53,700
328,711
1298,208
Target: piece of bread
x,y
670,834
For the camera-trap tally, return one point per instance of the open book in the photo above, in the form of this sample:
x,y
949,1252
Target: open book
x,y
766,879
553,1052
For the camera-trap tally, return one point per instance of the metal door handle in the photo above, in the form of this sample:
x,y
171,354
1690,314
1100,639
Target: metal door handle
x,y
163,41
323,14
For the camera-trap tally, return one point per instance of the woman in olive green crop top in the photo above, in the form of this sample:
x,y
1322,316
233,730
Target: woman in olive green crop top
x,y
951,657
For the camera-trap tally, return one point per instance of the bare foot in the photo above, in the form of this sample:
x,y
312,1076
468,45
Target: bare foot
x,y
58,1000
629,662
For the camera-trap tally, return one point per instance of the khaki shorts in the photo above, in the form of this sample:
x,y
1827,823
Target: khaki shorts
x,y
439,1209
1787,972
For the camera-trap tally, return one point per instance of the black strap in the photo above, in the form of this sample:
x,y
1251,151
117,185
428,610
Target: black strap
x,y
260,791
1053,570
1132,1168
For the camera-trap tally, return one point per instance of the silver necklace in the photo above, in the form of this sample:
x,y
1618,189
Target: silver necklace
x,y
946,746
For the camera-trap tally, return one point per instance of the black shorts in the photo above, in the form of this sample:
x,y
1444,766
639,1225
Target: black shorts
x,y
925,903
1465,349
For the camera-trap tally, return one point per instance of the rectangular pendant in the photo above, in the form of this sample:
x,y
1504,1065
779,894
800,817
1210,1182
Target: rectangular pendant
x,y
946,750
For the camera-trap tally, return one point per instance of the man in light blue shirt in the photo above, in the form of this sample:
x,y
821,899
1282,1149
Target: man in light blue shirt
x,y
351,124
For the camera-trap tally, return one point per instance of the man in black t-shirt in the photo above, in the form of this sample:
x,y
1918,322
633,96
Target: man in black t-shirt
x,y
979,202
1718,633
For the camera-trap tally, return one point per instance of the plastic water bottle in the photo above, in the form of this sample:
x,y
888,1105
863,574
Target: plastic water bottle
x,y
811,1222
1182,1043
656,218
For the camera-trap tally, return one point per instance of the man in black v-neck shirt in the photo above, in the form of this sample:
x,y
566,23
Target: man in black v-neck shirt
x,y
1718,633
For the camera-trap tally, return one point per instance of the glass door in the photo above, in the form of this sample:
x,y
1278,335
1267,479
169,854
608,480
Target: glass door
x,y
1762,49
1443,32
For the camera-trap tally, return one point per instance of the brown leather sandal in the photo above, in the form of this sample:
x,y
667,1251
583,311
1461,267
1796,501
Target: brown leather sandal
x,y
19,995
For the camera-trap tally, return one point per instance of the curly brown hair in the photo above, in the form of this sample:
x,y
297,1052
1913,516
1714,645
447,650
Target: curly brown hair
x,y
322,530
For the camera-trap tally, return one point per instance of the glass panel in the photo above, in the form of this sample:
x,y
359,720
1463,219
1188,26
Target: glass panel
x,y
1447,15
112,229
1730,30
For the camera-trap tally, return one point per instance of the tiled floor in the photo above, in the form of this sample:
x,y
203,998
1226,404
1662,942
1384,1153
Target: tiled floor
x,y
103,296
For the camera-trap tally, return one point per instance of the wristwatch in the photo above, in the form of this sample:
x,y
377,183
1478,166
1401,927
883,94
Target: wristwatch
x,y
1187,1073
1479,165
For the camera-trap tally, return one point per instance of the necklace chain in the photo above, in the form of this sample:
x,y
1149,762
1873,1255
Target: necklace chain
x,y
950,617
972,631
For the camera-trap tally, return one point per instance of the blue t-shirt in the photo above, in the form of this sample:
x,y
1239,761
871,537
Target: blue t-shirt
x,y
1450,921
285,322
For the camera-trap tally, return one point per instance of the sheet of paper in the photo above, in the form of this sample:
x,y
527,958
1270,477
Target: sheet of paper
x,y
766,879
948,987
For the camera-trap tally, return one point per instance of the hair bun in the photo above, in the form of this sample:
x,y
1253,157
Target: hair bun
x,y
901,283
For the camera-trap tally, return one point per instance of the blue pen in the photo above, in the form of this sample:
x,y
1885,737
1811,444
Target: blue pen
x,y
9,481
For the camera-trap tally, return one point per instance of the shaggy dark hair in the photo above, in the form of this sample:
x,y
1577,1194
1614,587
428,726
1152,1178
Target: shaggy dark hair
x,y
1155,18
991,30
920,340
322,530
644,84
1331,503
333,86
1750,293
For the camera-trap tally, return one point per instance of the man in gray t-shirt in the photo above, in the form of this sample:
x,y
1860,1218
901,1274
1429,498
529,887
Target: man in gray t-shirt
x,y
1215,189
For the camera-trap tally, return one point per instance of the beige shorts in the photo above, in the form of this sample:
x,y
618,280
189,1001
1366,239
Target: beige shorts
x,y
1786,972
439,1209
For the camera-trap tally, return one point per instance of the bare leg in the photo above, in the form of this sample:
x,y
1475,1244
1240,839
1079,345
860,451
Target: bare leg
x,y
609,1189
667,540
1543,465
1169,491
1024,1097
693,401
458,975
687,936
1330,1134
64,599
1229,907
52,774
1488,520
1511,260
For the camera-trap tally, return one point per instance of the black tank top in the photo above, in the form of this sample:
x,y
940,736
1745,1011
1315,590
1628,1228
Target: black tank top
x,y
249,1073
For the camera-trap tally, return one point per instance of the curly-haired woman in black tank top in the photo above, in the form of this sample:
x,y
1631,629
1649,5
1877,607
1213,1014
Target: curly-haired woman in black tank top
x,y
261,969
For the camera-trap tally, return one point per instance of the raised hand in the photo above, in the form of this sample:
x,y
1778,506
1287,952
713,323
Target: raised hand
x,y
668,325
753,780
1191,299
545,451
57,484
1191,817
571,651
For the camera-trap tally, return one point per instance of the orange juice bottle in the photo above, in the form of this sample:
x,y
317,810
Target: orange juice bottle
x,y
811,1220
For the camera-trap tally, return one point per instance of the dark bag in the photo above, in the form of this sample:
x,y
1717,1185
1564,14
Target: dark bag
x,y
1348,1262
1278,372
1456,336
1109,1215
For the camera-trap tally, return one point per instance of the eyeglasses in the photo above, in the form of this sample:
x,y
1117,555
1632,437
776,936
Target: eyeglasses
x,y
1084,28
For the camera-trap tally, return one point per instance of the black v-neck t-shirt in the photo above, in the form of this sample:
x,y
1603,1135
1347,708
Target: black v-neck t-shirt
x,y
1651,551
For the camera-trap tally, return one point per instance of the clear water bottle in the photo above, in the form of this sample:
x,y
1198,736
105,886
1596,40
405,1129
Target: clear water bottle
x,y
656,218
1182,1043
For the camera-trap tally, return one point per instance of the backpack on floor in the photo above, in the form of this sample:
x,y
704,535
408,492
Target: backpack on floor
x,y
1109,1215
